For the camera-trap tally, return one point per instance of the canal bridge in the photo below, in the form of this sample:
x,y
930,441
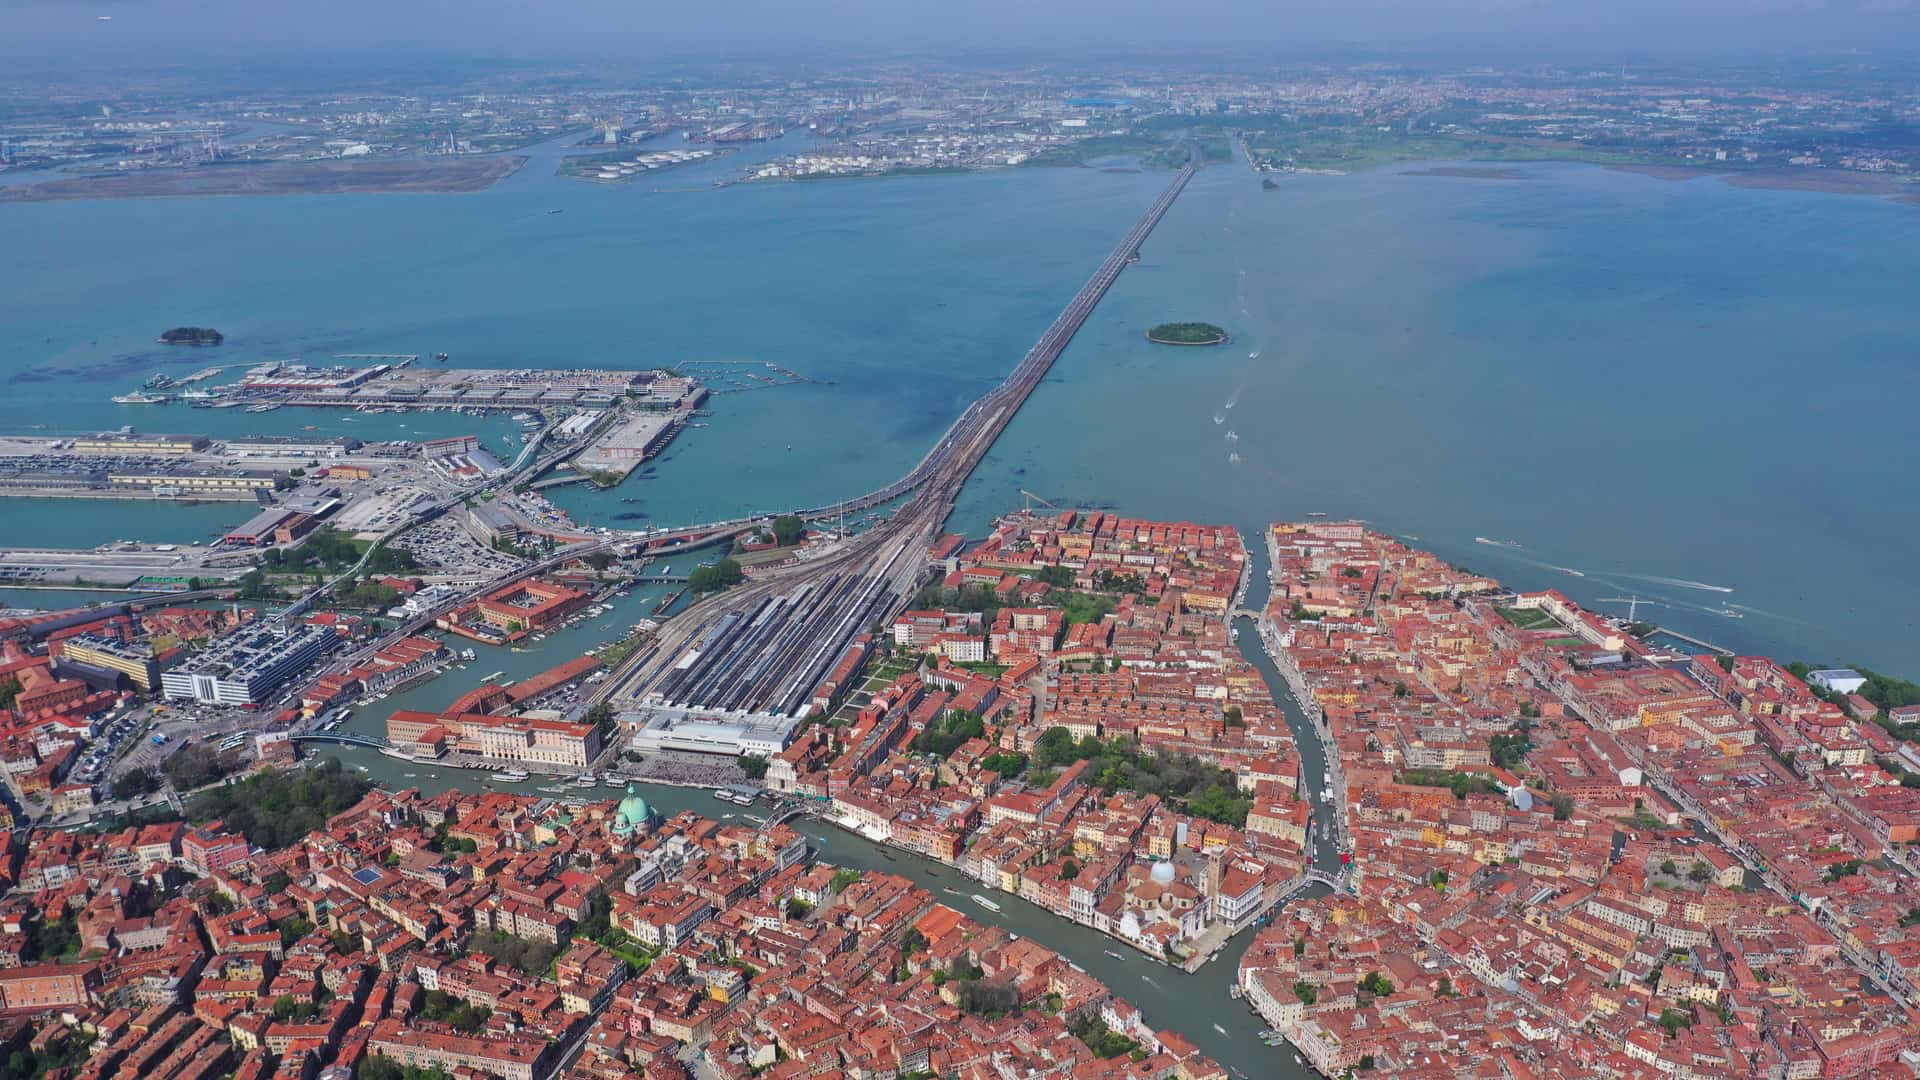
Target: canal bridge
x,y
783,814
344,738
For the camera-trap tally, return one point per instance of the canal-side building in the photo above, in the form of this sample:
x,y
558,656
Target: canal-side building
x,y
247,667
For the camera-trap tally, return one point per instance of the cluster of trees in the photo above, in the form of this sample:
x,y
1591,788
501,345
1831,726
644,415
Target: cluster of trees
x,y
1462,784
713,577
273,810
441,842
54,937
1006,763
1377,984
788,529
528,957
1086,607
1207,790
1509,749
1696,873
58,1060
944,736
255,586
366,594
1675,1019
1099,1038
136,782
1883,690
381,1067
753,765
9,689
292,930
288,1007
1188,333
443,1008
1079,607
195,765
965,598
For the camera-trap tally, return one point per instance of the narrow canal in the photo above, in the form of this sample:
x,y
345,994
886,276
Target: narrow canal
x,y
1199,1006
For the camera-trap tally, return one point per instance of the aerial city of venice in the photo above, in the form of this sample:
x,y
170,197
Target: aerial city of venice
x,y
904,542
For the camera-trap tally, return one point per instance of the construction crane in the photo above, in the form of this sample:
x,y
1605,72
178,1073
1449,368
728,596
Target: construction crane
x,y
1031,499
1633,604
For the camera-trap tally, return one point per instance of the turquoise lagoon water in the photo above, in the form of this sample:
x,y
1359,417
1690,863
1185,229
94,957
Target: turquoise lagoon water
x,y
1663,386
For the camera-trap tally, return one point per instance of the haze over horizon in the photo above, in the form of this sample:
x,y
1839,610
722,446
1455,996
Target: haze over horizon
x,y
118,31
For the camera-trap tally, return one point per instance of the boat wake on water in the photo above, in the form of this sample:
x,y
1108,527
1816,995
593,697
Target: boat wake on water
x,y
1680,583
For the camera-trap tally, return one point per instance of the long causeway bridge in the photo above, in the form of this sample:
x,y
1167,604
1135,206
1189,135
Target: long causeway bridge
x,y
762,647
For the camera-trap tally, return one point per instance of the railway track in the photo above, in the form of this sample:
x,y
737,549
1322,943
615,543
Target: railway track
x,y
763,646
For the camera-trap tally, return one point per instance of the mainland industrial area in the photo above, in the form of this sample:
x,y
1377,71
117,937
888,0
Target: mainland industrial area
x,y
1446,828
1846,129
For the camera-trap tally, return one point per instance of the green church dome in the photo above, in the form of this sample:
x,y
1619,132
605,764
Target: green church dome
x,y
633,813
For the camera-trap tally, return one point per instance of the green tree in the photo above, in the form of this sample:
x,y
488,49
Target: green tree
x,y
1006,763
1060,577
1055,746
287,1008
754,765
715,576
788,528
1306,992
1674,1019
273,810
135,783
942,737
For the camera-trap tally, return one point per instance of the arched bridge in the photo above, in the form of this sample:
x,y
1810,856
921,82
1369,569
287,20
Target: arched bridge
x,y
344,738
783,815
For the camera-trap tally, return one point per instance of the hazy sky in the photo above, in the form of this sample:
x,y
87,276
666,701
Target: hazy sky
x,y
73,31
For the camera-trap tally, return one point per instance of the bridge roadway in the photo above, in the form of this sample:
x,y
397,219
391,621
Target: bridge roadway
x,y
763,646
344,738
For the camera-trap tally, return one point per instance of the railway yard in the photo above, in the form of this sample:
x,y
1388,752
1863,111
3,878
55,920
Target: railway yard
x,y
754,653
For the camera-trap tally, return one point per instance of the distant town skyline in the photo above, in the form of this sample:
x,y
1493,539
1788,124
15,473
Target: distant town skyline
x,y
204,29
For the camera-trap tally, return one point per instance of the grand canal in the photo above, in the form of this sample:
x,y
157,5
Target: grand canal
x,y
1190,1004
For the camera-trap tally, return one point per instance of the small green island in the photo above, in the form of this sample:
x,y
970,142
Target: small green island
x,y
1187,333
192,335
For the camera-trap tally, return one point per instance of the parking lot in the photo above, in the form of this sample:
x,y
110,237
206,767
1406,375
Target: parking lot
x,y
442,544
